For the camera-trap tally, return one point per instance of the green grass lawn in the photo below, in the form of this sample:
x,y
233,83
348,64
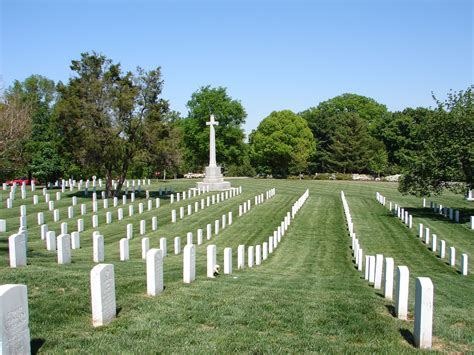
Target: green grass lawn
x,y
307,296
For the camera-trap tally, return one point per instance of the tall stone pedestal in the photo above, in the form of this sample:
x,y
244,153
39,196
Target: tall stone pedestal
x,y
214,179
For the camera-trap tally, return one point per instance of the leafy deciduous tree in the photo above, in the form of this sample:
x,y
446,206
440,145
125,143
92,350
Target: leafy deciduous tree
x,y
282,144
229,135
446,154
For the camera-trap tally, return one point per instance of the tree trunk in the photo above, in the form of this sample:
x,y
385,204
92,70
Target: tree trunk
x,y
108,183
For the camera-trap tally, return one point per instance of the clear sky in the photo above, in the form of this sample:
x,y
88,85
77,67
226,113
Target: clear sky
x,y
271,55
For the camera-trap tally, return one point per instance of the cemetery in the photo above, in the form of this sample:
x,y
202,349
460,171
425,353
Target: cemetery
x,y
240,177
311,239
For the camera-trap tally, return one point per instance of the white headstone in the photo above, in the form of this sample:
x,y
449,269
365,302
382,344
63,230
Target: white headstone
x,y
103,294
228,261
14,330
199,236
95,221
464,264
154,272
163,247
224,219
129,231
173,216
211,260
80,225
142,227
3,225
64,228
452,256
44,230
98,248
442,249
258,255
145,247
124,250
208,231
371,269
51,241
56,216
189,238
17,250
64,249
177,245
250,256
70,212
401,292
434,242
378,271
154,223
388,278
423,312
265,251
240,257
189,263
75,240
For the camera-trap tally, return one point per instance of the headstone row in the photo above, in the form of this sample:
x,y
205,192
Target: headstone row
x,y
431,240
379,271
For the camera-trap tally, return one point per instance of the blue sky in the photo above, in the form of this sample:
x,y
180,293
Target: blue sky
x,y
271,55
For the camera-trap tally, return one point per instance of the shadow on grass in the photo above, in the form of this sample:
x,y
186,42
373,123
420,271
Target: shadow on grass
x,y
119,309
408,336
153,194
36,344
390,309
464,215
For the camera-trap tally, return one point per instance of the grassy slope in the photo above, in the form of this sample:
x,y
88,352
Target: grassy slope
x,y
306,297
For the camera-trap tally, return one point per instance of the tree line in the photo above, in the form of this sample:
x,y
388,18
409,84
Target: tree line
x,y
109,122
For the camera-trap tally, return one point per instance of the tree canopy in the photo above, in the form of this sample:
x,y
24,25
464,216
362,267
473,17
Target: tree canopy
x,y
446,153
230,114
105,115
282,144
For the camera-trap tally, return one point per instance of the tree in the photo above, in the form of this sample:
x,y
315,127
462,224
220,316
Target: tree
x,y
446,155
323,125
15,130
166,146
39,93
401,134
229,135
351,149
104,114
282,144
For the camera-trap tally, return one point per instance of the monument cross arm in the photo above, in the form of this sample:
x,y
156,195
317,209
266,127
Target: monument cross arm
x,y
212,122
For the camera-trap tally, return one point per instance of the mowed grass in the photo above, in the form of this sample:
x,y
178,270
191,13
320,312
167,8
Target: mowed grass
x,y
307,296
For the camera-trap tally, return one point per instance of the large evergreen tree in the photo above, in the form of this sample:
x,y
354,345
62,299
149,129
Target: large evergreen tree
x,y
104,114
323,121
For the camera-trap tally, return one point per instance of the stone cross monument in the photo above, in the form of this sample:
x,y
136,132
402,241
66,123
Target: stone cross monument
x,y
214,178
